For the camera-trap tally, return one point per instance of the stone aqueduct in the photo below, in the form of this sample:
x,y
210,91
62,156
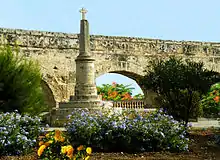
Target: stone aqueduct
x,y
56,53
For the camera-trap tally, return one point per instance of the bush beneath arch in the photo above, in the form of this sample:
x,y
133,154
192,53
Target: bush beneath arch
x,y
211,102
115,91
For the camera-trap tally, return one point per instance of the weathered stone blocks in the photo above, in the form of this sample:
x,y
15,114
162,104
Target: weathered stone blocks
x,y
122,55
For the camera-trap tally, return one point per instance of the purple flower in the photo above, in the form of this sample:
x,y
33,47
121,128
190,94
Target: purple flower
x,y
189,124
123,126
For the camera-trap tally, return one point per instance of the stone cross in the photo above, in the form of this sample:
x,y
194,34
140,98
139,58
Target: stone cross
x,y
83,11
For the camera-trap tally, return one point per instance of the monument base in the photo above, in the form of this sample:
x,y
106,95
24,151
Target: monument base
x,y
58,116
79,104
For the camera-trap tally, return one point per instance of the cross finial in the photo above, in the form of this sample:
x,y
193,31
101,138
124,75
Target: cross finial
x,y
83,11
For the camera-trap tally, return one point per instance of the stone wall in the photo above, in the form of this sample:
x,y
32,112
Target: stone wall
x,y
56,53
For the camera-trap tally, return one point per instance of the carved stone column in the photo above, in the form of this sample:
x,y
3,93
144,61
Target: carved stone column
x,y
85,89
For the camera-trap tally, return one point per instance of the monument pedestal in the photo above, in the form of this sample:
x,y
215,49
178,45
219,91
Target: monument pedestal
x,y
79,104
59,115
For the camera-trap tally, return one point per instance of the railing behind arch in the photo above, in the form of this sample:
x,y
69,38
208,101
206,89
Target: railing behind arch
x,y
130,104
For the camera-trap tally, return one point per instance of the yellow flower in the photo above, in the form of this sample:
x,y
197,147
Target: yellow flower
x,y
80,148
58,136
87,157
41,143
41,150
48,143
70,156
89,150
70,149
57,133
64,149
62,139
47,135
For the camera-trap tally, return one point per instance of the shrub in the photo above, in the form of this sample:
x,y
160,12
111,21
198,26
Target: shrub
x,y
20,83
115,92
217,139
179,83
54,145
128,131
179,111
138,96
18,133
211,102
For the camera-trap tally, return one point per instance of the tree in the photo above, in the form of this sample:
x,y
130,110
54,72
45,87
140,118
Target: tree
x,y
20,82
211,101
138,96
179,85
115,92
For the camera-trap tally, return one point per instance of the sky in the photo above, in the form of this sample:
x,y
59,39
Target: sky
x,y
161,19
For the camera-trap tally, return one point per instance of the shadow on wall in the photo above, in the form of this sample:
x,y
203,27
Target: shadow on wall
x,y
48,95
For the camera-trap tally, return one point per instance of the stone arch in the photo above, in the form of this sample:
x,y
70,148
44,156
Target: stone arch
x,y
129,69
48,95
119,66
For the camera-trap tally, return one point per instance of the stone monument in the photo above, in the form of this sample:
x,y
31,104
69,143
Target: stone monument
x,y
85,89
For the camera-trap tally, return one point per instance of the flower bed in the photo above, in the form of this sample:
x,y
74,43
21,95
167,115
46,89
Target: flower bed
x,y
54,145
18,133
129,131
198,149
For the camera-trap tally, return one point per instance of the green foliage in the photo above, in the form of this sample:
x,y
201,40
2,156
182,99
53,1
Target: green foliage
x,y
18,133
129,131
115,92
138,96
211,102
20,82
179,85
180,99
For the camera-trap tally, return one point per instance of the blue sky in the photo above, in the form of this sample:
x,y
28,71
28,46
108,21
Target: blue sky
x,y
163,19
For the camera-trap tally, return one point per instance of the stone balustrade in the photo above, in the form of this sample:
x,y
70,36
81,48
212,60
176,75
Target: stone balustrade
x,y
132,104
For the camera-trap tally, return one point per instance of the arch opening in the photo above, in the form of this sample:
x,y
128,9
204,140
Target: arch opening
x,y
126,78
121,78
